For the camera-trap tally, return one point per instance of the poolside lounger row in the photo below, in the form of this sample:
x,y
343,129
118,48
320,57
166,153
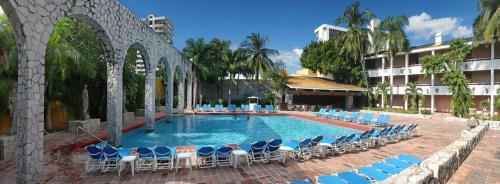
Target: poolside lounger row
x,y
375,172
232,108
355,117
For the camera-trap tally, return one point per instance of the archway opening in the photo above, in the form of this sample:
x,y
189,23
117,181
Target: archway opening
x,y
178,78
134,82
8,75
161,84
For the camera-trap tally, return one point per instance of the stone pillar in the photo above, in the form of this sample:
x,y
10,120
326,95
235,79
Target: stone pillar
x,y
432,90
30,108
149,99
383,80
195,90
349,99
407,60
189,101
170,96
180,95
114,98
492,82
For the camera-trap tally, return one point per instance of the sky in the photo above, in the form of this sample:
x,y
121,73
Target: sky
x,y
290,24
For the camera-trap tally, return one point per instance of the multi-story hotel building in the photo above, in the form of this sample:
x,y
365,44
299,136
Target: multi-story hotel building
x,y
482,68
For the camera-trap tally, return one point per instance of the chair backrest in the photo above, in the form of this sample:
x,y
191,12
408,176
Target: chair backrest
x,y
144,152
305,143
110,152
340,139
349,138
94,151
259,146
223,150
205,151
163,152
315,141
274,144
355,115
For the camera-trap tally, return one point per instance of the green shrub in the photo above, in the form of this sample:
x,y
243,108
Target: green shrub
x,y
425,111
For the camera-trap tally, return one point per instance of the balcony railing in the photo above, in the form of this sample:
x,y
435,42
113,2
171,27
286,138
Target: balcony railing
x,y
476,89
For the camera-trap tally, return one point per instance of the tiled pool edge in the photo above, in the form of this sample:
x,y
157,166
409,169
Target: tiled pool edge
x,y
441,166
77,147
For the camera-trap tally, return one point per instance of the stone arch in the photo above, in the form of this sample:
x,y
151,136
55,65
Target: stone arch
x,y
180,87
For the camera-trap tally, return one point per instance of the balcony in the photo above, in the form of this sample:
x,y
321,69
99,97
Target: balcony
x,y
477,65
476,89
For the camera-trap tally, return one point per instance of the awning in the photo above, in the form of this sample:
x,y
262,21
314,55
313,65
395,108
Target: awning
x,y
319,83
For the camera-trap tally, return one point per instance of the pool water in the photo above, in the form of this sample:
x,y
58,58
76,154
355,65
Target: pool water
x,y
228,129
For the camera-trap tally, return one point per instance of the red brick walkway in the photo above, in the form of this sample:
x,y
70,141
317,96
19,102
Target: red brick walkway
x,y
62,166
483,164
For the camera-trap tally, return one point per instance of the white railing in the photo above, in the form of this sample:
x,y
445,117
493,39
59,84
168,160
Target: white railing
x,y
476,89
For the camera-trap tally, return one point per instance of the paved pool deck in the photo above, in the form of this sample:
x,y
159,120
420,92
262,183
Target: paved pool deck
x,y
61,165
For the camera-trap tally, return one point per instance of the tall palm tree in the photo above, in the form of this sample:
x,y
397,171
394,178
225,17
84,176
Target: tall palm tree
x,y
487,24
196,51
219,56
235,68
391,36
414,95
258,56
356,40
383,90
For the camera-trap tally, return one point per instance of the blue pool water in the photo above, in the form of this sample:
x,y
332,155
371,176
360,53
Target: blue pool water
x,y
227,129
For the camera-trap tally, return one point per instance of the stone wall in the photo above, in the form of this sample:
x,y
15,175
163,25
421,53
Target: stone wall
x,y
439,167
245,87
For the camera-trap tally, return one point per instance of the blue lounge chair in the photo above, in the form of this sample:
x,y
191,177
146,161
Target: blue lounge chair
x,y
335,144
353,117
320,112
258,108
315,147
258,151
330,179
197,108
408,132
205,156
361,142
410,159
387,168
347,143
94,161
379,120
373,173
164,157
273,150
398,163
341,115
301,149
330,114
366,119
146,159
300,181
223,156
382,120
231,108
352,177
112,157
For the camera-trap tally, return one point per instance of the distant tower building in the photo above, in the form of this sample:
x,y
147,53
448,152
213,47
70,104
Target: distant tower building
x,y
159,24
325,32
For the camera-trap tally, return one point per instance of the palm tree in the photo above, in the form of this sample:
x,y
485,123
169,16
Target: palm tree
x,y
487,24
196,51
235,68
356,40
254,49
219,56
414,95
383,89
391,35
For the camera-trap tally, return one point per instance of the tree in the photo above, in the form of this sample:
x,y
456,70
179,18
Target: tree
x,y
450,65
258,56
487,24
218,56
355,40
196,51
277,78
391,35
383,89
325,57
414,95
235,67
8,64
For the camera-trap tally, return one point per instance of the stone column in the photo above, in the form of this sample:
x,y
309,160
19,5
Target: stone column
x,y
492,82
432,89
407,60
149,99
349,99
114,98
180,95
170,96
189,101
195,90
30,108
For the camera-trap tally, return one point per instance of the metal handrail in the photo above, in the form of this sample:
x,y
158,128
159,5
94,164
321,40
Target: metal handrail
x,y
91,134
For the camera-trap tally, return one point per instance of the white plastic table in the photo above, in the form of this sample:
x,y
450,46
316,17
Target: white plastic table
x,y
183,156
284,152
237,154
123,162
324,148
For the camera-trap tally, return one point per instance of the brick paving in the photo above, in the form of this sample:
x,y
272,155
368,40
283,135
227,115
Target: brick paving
x,y
63,166
483,164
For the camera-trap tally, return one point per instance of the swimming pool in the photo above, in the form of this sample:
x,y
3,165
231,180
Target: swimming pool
x,y
228,129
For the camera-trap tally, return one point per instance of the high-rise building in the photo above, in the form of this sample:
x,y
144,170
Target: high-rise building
x,y
326,32
481,67
159,24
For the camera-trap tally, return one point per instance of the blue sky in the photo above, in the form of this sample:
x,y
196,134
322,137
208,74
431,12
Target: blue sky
x,y
289,24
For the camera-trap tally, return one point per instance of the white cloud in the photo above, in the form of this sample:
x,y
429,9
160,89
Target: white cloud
x,y
423,27
291,58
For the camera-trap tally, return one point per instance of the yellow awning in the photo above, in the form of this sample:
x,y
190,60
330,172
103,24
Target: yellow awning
x,y
319,83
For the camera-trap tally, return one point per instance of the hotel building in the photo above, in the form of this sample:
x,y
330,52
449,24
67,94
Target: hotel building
x,y
481,67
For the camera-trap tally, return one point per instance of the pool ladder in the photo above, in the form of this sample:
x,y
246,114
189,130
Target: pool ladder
x,y
89,133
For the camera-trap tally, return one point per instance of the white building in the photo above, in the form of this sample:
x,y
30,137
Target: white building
x,y
482,68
